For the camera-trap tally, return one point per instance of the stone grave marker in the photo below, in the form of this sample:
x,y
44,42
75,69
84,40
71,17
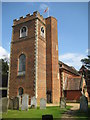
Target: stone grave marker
x,y
4,104
19,101
25,102
62,102
42,103
83,103
33,102
16,103
10,106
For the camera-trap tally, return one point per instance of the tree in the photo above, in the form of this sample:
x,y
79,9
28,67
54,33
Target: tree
x,y
86,62
86,70
4,66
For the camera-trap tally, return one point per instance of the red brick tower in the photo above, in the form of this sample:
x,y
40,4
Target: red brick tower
x,y
52,67
28,57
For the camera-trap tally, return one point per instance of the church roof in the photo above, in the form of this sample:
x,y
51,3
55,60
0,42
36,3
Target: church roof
x,y
63,66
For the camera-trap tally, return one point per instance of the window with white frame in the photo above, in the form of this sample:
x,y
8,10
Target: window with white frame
x,y
23,31
22,64
42,31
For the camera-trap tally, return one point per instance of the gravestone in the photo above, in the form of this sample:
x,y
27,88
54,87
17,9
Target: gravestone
x,y
42,103
10,103
62,102
16,103
25,102
83,103
33,102
19,101
4,104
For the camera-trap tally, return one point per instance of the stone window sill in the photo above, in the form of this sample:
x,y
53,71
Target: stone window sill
x,y
21,73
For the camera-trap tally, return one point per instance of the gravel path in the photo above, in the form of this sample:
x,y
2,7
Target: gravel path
x,y
69,115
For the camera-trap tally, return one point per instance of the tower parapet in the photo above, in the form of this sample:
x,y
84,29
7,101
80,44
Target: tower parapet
x,y
28,17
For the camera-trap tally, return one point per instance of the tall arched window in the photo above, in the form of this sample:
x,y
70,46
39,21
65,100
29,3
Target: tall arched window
x,y
20,91
23,31
22,64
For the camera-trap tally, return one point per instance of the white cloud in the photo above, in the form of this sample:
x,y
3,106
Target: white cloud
x,y
4,53
72,59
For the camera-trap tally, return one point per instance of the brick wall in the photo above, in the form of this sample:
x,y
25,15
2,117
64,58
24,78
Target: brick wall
x,y
52,67
73,95
41,80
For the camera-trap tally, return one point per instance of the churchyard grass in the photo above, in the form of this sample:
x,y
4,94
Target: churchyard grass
x,y
36,113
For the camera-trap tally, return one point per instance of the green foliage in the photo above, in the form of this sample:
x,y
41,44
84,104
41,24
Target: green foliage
x,y
4,66
86,62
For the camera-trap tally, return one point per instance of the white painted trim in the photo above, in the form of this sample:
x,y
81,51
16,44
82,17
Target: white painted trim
x,y
26,31
3,88
36,56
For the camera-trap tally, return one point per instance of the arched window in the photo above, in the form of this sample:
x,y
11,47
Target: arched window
x,y
42,32
23,31
20,91
22,64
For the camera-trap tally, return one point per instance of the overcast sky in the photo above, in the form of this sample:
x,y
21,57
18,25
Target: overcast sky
x,y
72,27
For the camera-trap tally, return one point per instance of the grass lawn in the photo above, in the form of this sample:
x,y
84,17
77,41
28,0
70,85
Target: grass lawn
x,y
36,113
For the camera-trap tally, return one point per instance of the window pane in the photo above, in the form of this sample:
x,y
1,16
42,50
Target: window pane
x,y
20,91
42,30
22,62
23,32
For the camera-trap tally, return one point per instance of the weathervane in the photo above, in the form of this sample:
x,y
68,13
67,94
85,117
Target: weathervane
x,y
47,10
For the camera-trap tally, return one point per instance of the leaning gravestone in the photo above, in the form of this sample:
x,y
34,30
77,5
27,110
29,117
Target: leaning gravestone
x,y
4,104
16,103
25,102
42,103
33,102
10,103
83,103
62,102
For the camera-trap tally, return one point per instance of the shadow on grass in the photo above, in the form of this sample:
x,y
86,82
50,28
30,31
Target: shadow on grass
x,y
83,115
78,115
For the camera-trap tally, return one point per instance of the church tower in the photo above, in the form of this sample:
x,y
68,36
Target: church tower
x,y
34,67
28,57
